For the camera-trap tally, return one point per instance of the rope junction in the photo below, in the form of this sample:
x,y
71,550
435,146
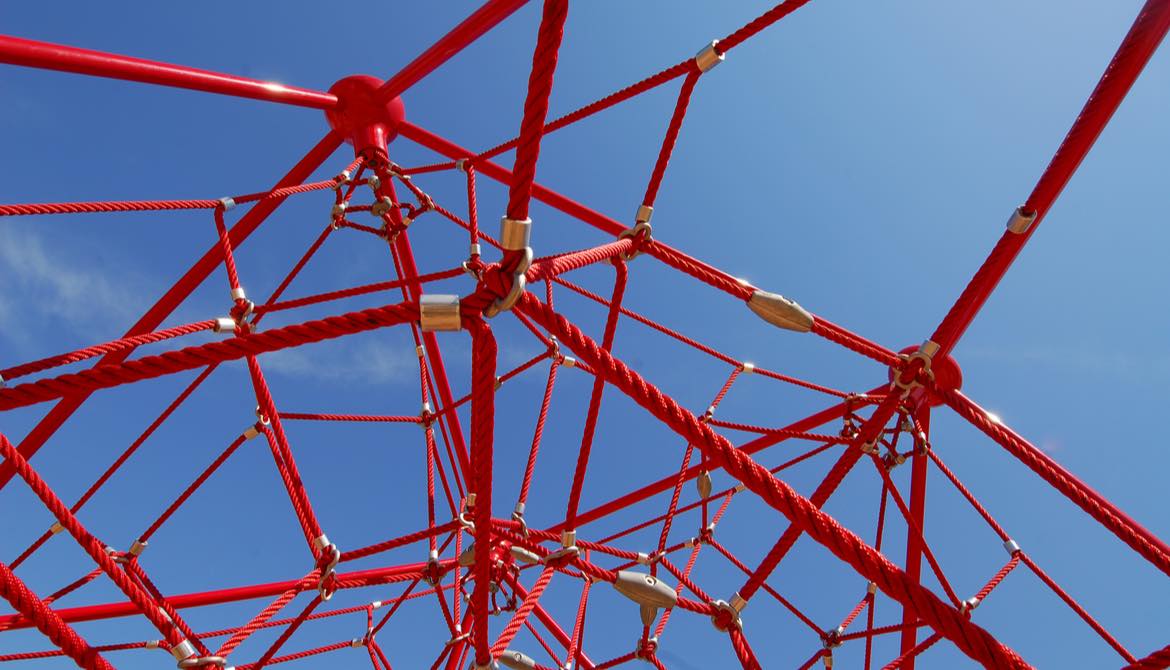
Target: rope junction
x,y
488,572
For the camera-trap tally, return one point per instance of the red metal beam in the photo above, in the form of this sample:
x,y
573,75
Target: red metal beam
x,y
472,28
1135,51
63,58
449,45
348,580
914,540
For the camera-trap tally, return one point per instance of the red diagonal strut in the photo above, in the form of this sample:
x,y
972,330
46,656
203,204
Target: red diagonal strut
x,y
48,56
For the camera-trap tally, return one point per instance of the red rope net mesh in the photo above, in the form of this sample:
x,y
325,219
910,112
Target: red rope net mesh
x,y
488,571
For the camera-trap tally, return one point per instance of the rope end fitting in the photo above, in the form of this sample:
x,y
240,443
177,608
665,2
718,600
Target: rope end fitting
x,y
641,231
515,235
780,311
644,213
1020,221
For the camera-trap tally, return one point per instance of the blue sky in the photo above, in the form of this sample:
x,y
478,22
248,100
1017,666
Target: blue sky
x,y
858,157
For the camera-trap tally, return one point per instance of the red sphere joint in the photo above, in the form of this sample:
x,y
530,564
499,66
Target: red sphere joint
x,y
947,374
366,121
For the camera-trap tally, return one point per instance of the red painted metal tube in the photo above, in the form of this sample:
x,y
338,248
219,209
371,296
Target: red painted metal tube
x,y
914,544
465,33
472,28
1135,51
348,580
63,58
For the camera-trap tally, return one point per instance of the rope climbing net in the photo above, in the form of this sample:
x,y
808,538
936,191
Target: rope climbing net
x,y
486,571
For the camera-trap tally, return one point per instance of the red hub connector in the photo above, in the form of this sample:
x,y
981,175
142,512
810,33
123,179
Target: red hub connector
x,y
367,121
945,372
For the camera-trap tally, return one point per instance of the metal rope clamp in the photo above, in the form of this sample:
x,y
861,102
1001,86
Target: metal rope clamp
x,y
732,609
568,550
432,573
323,543
515,235
439,312
382,207
832,639
468,503
187,657
925,354
640,233
518,517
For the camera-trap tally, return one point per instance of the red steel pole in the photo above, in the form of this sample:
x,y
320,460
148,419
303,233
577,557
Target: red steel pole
x,y
472,28
913,540
449,45
63,58
1135,51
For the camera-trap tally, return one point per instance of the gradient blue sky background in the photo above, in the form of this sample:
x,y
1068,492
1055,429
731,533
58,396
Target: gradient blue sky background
x,y
859,157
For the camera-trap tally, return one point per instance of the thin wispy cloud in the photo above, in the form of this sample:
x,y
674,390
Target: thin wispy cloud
x,y
367,363
39,282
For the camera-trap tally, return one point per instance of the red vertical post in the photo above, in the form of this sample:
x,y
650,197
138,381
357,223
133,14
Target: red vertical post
x,y
918,466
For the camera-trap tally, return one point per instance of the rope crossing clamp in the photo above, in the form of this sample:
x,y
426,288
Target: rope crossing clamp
x,y
640,233
465,511
568,550
925,354
515,235
326,547
187,657
731,610
518,517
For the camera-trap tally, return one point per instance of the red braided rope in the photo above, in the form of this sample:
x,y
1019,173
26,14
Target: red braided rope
x,y
544,64
968,637
47,621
